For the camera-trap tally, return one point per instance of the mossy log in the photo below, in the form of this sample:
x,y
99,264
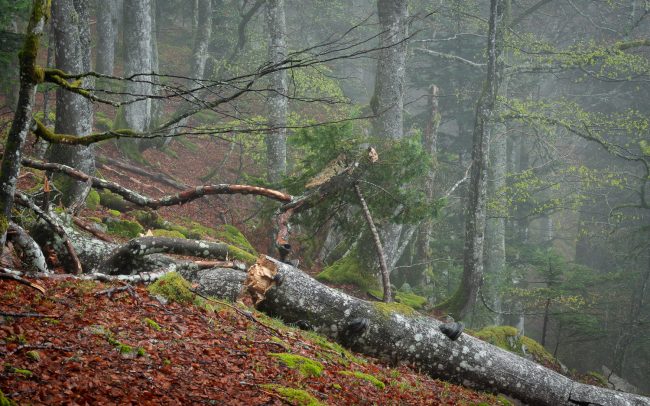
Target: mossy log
x,y
388,334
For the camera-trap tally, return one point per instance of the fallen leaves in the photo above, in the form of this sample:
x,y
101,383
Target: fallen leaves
x,y
198,355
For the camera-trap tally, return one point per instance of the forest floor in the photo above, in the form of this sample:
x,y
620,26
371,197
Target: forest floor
x,y
91,348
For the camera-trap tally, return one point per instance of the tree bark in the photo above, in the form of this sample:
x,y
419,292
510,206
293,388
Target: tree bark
x,y
29,78
138,60
410,338
462,301
106,36
277,102
74,113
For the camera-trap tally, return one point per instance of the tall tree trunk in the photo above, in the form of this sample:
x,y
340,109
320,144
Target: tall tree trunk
x,y
29,78
276,140
107,18
462,302
416,274
388,100
74,113
138,59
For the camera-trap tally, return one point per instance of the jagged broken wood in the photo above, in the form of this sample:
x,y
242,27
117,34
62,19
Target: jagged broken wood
x,y
376,329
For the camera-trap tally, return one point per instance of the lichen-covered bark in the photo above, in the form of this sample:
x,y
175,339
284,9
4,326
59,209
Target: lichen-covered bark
x,y
30,76
414,339
277,102
74,113
107,19
32,255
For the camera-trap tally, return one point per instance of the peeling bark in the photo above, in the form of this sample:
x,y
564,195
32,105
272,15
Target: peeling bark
x,y
414,339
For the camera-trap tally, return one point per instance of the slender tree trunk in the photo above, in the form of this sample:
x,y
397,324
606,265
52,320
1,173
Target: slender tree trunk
x,y
463,300
107,18
415,276
385,277
29,78
74,113
277,102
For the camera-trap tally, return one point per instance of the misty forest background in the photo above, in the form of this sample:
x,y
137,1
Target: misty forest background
x,y
547,231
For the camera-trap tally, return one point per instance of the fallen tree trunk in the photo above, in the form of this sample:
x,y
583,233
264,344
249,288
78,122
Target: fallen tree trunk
x,y
376,329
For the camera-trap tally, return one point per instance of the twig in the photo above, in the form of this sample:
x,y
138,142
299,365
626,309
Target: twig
x,y
10,314
109,292
13,277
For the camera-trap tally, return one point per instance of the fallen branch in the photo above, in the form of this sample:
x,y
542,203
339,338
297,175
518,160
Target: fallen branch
x,y
11,275
19,315
102,161
138,199
111,291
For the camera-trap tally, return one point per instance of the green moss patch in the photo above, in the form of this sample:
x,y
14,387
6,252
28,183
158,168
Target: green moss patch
x,y
167,233
112,200
5,401
124,228
334,352
92,200
408,299
388,309
152,324
174,288
294,396
306,366
25,373
507,338
348,270
231,235
366,377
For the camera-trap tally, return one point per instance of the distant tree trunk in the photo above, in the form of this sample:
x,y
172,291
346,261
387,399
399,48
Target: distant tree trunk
x,y
462,302
74,113
388,100
277,102
138,59
107,19
10,166
415,276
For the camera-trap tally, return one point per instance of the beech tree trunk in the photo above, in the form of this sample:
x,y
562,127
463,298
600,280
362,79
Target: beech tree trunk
x,y
107,17
276,140
74,113
414,339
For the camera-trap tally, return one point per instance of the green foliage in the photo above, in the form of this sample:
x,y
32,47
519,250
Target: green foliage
x,y
305,366
175,288
366,377
295,396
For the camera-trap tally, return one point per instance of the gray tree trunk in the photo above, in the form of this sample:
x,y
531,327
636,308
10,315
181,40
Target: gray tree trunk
x,y
107,19
277,102
10,166
410,338
138,59
388,99
74,113
462,302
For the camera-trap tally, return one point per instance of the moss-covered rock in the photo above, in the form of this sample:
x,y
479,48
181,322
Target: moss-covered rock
x,y
366,377
112,200
294,396
167,233
306,366
231,235
124,228
174,288
92,200
348,270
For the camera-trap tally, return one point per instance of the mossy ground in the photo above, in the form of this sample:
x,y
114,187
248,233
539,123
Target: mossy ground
x,y
366,377
306,366
409,299
294,396
175,288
